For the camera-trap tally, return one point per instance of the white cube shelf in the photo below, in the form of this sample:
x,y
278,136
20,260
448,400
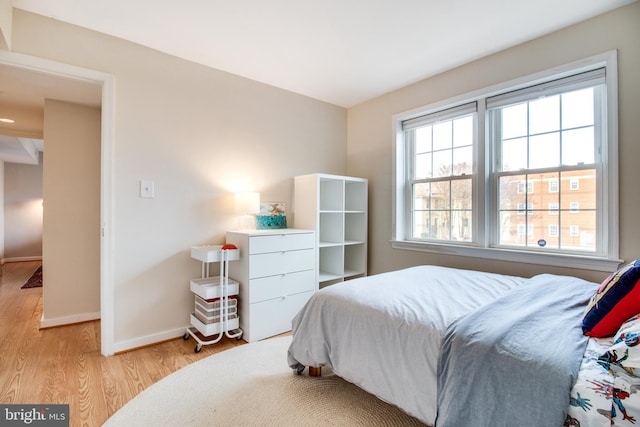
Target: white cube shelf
x,y
337,208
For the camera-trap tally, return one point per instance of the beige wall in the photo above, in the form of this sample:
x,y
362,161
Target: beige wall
x,y
199,134
5,24
370,131
71,236
23,210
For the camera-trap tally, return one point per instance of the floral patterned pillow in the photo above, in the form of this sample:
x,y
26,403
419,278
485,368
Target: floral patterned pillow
x,y
625,350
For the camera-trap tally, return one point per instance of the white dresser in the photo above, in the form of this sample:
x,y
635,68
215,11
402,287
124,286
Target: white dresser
x,y
276,272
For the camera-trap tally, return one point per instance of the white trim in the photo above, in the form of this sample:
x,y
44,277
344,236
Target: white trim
x,y
612,231
149,339
68,320
21,259
107,175
553,259
107,216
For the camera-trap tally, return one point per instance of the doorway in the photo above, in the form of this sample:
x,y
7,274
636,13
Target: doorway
x,y
62,75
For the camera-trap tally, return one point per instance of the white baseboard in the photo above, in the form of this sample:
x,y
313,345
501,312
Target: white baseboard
x,y
21,259
68,320
149,339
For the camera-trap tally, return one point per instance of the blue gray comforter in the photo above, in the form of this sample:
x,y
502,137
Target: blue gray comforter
x,y
514,361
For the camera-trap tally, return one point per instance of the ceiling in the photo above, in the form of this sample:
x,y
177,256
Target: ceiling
x,y
342,52
22,95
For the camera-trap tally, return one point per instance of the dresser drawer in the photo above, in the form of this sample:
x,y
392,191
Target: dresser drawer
x,y
280,242
279,312
271,264
281,285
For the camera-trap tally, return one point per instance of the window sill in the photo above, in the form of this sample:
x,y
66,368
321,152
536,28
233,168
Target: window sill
x,y
554,259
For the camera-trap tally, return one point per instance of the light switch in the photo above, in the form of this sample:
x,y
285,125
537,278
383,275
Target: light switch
x,y
146,188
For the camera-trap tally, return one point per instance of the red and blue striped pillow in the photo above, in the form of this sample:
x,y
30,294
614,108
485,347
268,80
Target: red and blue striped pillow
x,y
616,300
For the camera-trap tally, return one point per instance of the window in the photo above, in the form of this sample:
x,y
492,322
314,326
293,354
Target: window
x,y
441,158
574,230
468,169
522,207
524,184
574,184
574,207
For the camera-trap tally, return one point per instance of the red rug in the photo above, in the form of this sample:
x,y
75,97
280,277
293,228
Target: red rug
x,y
35,281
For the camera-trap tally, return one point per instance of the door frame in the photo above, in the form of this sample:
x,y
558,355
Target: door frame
x,y
106,81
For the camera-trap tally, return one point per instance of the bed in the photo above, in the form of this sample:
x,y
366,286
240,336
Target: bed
x,y
456,347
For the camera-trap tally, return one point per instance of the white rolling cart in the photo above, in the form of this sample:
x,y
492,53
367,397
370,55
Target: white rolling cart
x,y
215,308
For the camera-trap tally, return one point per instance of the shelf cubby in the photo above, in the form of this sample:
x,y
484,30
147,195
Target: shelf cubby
x,y
331,229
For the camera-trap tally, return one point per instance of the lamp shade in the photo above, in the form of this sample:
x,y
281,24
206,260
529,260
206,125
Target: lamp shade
x,y
247,203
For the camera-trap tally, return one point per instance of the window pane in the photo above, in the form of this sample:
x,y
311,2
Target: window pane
x,y
463,131
544,150
462,161
512,228
442,163
584,195
461,194
461,225
442,133
551,239
544,115
514,121
421,206
514,154
541,196
578,231
423,166
441,195
422,196
423,139
538,228
549,190
578,146
510,192
421,227
440,225
577,109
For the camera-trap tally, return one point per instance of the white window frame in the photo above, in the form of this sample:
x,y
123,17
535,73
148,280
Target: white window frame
x,y
481,246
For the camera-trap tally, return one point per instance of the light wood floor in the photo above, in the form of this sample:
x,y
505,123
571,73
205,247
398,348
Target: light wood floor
x,y
64,364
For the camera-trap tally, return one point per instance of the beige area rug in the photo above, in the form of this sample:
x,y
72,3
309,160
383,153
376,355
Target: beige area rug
x,y
251,385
